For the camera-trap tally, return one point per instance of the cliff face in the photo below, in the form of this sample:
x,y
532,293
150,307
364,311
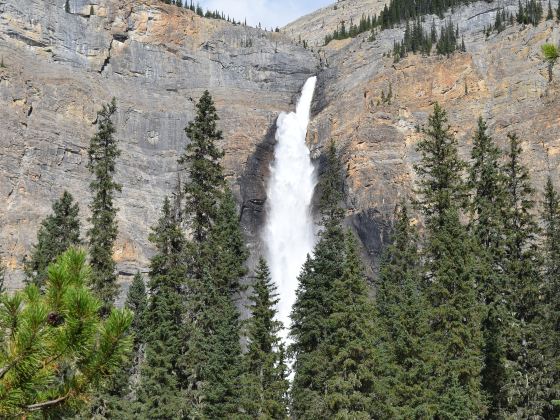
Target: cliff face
x,y
502,78
156,60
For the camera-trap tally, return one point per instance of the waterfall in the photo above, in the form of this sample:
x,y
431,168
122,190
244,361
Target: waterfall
x,y
289,232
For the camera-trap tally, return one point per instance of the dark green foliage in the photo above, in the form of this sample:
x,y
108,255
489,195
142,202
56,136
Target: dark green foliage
x,y
488,207
56,349
331,188
213,358
160,389
265,380
403,314
349,346
202,158
550,13
551,218
103,153
529,13
216,262
447,42
2,277
529,384
58,232
313,306
415,40
449,275
117,400
397,11
67,6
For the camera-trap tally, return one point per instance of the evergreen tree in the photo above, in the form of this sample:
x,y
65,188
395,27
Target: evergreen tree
x,y
160,388
202,158
487,212
103,153
58,232
213,362
403,313
313,306
265,378
350,386
529,383
56,350
216,259
551,218
2,277
550,14
117,400
449,275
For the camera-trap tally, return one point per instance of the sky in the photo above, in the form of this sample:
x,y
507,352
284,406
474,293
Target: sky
x,y
270,13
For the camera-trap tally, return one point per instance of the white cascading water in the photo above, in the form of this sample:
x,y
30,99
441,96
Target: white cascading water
x,y
289,231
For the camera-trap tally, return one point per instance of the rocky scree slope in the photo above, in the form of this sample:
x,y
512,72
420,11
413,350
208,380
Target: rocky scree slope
x,y
156,60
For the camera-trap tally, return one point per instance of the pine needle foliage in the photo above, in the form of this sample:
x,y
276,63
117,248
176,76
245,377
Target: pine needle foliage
x,y
55,350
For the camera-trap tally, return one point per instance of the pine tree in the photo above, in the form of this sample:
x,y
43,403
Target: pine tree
x,y
487,212
550,14
449,275
58,232
403,314
103,153
57,351
551,218
529,385
265,379
350,385
313,306
160,392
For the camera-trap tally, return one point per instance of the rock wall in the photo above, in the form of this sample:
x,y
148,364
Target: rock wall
x,y
502,78
156,60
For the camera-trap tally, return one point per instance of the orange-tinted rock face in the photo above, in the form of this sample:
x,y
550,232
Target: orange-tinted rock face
x,y
157,60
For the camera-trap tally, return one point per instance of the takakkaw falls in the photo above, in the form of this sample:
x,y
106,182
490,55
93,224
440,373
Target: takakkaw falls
x,y
289,231
209,212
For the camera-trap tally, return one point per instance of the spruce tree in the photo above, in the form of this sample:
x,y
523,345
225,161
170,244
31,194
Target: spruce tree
x,y
58,232
216,260
350,372
103,153
449,275
529,383
213,362
2,277
313,306
265,377
403,313
551,218
487,225
118,398
202,158
160,388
